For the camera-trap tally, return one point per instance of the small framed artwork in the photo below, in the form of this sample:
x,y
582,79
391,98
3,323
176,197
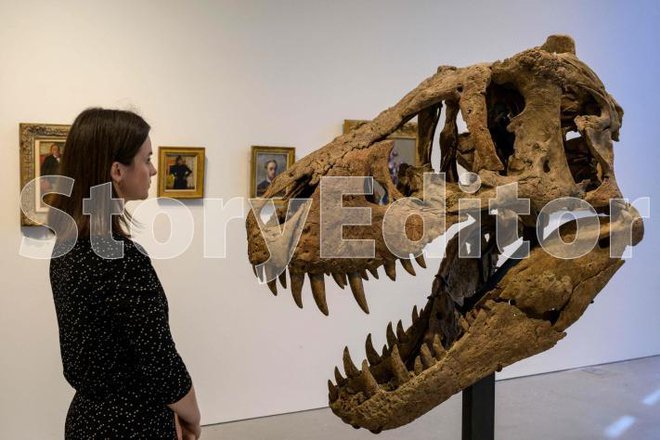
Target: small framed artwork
x,y
267,163
41,148
181,172
404,151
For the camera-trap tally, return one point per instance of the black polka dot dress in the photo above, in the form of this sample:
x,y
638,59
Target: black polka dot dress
x,y
115,341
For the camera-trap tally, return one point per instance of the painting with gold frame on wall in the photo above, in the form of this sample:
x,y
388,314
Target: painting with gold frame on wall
x,y
41,148
404,151
267,163
181,172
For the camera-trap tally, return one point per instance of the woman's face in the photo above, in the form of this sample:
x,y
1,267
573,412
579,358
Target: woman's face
x,y
132,181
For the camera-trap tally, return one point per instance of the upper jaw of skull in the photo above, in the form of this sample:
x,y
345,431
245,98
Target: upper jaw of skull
x,y
317,252
531,114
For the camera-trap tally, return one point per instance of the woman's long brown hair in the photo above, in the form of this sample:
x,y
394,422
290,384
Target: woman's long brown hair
x,y
97,138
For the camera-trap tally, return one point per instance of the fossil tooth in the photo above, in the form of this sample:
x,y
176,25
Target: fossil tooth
x,y
427,357
318,291
340,279
390,269
462,322
358,291
297,280
368,380
269,272
272,285
438,349
418,368
399,369
364,275
420,260
373,271
407,265
400,332
349,367
471,316
333,392
282,278
338,377
391,336
372,354
415,314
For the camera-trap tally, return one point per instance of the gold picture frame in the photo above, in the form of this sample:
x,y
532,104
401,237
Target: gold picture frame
x,y
41,147
181,172
262,157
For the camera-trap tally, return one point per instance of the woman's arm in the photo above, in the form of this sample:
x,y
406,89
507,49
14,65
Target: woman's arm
x,y
188,411
139,308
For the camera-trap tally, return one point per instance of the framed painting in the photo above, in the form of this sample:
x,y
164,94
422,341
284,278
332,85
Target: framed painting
x,y
181,172
404,151
268,162
41,148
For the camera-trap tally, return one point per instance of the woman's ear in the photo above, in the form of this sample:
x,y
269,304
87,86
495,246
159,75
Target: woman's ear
x,y
116,172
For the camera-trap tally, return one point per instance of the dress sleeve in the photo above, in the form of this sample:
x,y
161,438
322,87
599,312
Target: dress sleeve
x,y
139,311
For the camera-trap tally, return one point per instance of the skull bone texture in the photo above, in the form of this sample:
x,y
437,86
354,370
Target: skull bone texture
x,y
540,127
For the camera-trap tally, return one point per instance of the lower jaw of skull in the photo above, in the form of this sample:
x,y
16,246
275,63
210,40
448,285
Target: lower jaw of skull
x,y
447,348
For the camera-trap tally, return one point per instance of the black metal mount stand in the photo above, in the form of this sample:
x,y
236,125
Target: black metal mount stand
x,y
479,410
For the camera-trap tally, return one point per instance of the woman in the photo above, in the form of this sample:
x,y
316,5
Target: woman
x,y
115,341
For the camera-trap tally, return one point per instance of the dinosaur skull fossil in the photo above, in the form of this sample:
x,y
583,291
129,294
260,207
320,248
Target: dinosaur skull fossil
x,y
541,120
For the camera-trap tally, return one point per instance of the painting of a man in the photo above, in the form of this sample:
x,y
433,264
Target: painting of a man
x,y
268,163
51,163
271,172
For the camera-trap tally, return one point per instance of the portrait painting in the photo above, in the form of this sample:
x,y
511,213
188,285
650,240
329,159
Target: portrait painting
x,y
268,163
181,172
41,150
50,156
404,151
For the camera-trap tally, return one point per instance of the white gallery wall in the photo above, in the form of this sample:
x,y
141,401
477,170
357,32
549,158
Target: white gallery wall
x,y
226,75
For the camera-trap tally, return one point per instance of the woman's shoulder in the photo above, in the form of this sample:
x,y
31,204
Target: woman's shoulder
x,y
108,250
102,262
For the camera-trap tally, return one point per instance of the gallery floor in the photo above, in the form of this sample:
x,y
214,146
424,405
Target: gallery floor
x,y
619,400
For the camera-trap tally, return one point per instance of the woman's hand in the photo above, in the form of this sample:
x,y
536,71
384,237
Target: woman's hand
x,y
190,431
177,426
188,416
186,431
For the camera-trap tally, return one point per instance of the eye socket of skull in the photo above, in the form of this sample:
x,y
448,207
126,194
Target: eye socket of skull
x,y
503,103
